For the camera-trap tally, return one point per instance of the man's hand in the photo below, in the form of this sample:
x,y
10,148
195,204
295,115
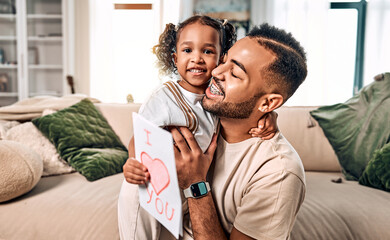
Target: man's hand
x,y
192,166
191,163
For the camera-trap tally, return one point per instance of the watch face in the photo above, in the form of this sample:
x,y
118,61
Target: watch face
x,y
198,189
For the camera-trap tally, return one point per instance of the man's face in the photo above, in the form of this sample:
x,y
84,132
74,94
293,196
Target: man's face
x,y
237,83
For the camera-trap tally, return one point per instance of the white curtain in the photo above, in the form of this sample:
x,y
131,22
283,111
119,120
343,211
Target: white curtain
x,y
377,42
121,59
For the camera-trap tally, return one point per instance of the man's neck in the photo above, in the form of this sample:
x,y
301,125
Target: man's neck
x,y
237,130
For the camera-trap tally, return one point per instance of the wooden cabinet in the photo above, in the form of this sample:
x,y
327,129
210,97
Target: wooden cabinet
x,y
35,48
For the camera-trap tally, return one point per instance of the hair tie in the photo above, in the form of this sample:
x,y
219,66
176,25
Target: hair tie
x,y
224,22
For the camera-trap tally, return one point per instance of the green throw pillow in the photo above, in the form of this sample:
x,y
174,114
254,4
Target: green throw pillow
x,y
83,138
358,127
377,172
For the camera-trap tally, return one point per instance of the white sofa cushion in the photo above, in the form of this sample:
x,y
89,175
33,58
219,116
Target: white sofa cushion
x,y
345,210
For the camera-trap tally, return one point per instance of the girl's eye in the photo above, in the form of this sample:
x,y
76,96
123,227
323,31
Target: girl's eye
x,y
187,50
207,51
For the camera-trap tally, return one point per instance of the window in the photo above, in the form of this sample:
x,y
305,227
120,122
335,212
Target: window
x,y
360,8
123,33
340,54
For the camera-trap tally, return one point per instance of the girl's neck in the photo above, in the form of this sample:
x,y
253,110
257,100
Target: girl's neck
x,y
192,88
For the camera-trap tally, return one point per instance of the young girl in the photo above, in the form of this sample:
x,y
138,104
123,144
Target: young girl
x,y
192,49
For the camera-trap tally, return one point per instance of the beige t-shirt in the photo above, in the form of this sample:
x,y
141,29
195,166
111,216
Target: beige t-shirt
x,y
258,186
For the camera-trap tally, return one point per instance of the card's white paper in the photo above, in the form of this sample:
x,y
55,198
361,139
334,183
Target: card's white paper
x,y
161,196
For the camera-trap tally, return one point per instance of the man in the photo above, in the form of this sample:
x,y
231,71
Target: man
x,y
257,186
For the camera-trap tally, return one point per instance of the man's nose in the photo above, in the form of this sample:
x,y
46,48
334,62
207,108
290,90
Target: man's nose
x,y
217,72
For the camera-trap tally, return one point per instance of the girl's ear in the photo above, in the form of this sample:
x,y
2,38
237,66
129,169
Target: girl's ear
x,y
271,102
174,58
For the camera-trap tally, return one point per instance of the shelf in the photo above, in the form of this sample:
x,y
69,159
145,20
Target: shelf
x,y
45,39
8,66
7,38
10,17
45,67
8,94
44,16
39,38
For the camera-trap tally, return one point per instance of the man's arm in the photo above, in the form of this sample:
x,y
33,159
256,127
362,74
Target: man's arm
x,y
205,223
192,166
204,219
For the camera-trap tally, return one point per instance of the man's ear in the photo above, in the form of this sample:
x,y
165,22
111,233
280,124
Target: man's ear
x,y
271,102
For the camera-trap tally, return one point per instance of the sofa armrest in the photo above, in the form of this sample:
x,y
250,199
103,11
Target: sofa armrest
x,y
120,118
306,136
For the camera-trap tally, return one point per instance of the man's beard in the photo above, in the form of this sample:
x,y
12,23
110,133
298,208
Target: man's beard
x,y
240,110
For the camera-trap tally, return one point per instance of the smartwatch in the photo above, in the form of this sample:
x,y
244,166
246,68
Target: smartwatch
x,y
197,190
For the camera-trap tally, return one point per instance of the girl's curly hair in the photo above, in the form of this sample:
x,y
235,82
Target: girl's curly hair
x,y
167,41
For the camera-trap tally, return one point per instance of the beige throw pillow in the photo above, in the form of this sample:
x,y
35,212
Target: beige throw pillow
x,y
21,169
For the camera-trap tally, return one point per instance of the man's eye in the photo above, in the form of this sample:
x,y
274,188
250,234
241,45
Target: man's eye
x,y
233,74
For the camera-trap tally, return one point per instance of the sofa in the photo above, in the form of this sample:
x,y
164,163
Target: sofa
x,y
68,206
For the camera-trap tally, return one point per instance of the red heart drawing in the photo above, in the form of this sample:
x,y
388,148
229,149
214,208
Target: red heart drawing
x,y
159,175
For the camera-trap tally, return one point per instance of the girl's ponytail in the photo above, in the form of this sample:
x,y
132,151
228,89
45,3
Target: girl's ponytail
x,y
164,50
229,36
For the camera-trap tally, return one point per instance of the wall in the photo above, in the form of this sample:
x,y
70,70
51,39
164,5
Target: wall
x,y
82,47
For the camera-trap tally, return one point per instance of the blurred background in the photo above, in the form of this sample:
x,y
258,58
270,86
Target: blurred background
x,y
107,50
346,42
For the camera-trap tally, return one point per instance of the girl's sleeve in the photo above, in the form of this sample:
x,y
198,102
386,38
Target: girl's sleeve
x,y
155,110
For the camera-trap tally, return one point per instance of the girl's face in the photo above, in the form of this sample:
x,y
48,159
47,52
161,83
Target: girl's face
x,y
197,54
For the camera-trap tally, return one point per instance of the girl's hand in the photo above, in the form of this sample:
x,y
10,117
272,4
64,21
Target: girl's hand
x,y
267,126
135,172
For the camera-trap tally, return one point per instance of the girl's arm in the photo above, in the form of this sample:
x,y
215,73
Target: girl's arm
x,y
267,126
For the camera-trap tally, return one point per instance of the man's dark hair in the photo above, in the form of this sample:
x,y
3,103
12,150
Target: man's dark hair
x,y
286,73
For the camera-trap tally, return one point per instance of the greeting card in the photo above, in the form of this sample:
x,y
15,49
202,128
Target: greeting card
x,y
161,196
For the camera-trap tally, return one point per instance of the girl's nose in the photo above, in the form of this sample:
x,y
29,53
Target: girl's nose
x,y
197,58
